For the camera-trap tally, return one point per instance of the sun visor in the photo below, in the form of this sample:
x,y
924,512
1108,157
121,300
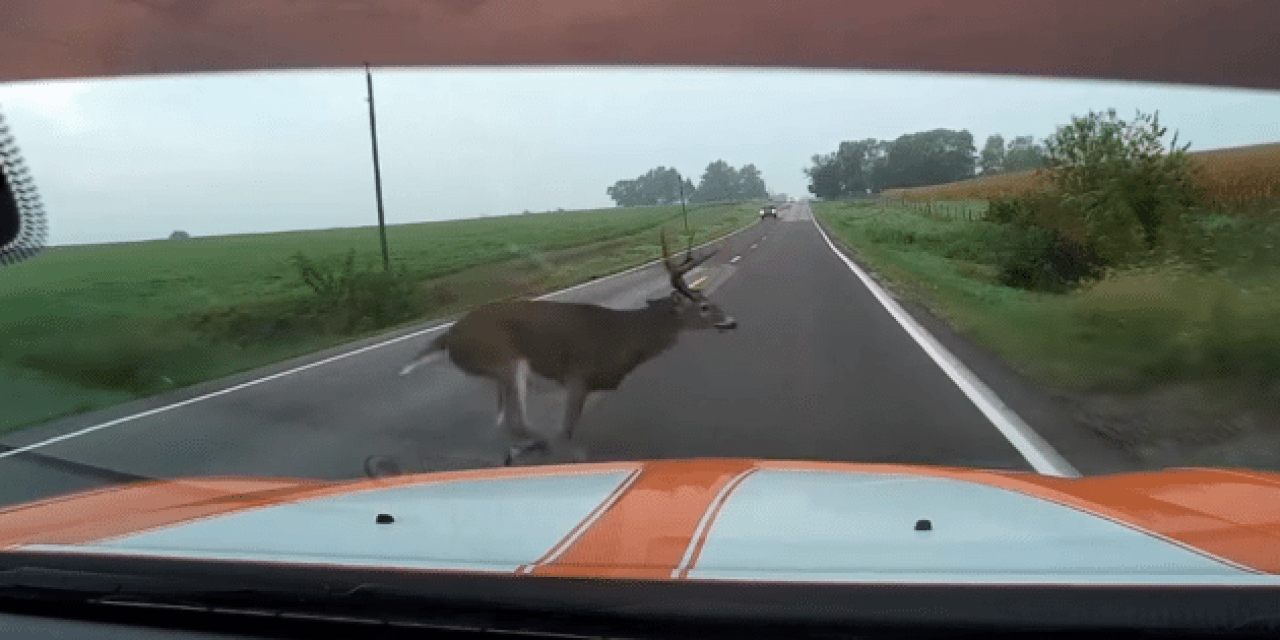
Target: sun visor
x,y
1192,41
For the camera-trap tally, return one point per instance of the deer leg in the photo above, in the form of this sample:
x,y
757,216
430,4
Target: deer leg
x,y
515,389
505,417
502,403
521,385
576,396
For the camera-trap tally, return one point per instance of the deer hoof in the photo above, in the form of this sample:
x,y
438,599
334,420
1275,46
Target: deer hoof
x,y
511,456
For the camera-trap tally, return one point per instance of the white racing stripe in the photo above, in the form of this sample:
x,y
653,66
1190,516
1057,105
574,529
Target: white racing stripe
x,y
1040,454
319,363
569,540
708,517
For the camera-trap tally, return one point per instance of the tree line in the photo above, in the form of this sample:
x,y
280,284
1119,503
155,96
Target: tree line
x,y
663,186
860,167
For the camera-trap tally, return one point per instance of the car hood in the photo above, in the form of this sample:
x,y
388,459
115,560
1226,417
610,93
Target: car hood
x,y
704,519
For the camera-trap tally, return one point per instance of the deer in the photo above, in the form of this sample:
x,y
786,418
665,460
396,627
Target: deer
x,y
585,348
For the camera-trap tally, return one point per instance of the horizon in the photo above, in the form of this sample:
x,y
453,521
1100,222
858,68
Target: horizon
x,y
133,159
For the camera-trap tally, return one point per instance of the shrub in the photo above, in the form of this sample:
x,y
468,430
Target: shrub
x,y
1122,180
329,286
350,300
1048,261
376,300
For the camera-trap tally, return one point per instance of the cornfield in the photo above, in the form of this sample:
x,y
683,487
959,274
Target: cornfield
x,y
988,188
1233,179
1242,177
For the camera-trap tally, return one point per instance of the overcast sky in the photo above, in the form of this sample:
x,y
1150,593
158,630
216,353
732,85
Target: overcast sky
x,y
135,159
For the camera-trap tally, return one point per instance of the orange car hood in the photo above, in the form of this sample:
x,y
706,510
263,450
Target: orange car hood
x,y
705,519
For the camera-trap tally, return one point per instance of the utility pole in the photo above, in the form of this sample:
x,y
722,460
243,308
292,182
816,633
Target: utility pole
x,y
377,171
680,179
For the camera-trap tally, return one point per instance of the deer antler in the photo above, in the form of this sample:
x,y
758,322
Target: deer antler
x,y
677,271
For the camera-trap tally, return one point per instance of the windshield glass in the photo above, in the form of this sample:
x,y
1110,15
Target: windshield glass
x,y
862,267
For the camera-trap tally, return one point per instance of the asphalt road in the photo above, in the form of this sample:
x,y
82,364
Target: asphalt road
x,y
817,369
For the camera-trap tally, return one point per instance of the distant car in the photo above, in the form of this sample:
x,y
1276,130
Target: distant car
x,y
768,211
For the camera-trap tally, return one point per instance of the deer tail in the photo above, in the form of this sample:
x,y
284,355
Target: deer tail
x,y
429,353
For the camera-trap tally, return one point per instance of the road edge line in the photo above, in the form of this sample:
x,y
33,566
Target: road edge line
x,y
16,451
1038,453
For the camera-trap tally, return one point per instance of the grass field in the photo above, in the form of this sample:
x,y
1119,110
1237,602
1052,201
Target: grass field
x,y
85,327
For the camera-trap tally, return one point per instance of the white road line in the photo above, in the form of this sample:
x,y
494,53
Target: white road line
x,y
1040,454
318,363
735,259
698,282
755,245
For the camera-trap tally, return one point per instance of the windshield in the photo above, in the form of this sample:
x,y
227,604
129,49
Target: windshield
x,y
217,297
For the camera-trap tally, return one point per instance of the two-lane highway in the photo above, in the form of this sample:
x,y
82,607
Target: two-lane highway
x,y
817,369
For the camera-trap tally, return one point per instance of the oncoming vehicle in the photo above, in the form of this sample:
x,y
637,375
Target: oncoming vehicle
x,y
828,469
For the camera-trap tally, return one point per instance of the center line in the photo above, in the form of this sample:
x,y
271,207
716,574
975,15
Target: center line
x,y
735,259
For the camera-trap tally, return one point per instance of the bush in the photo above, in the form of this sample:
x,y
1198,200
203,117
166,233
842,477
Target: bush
x,y
329,286
350,301
1044,210
376,300
1121,179
1048,261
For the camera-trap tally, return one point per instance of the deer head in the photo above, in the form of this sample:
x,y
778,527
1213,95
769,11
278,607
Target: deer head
x,y
692,307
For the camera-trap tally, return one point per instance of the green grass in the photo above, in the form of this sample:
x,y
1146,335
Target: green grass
x,y
1210,313
86,327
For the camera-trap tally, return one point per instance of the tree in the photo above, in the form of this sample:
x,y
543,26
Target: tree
x,y
626,193
992,160
847,172
179,235
720,181
1121,178
824,176
928,157
877,163
1023,154
751,183
660,186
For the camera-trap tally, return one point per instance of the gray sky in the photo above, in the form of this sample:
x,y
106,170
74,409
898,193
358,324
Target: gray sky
x,y
135,159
